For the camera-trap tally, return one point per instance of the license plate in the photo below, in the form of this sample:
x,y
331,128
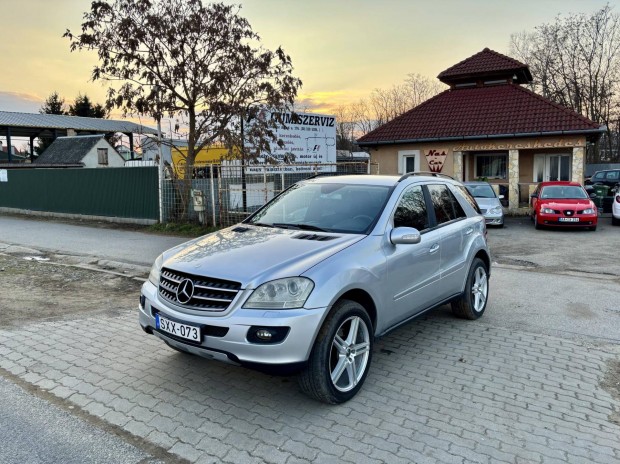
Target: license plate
x,y
189,332
569,219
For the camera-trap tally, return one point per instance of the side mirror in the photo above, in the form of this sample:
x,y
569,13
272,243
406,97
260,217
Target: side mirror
x,y
405,236
533,195
501,197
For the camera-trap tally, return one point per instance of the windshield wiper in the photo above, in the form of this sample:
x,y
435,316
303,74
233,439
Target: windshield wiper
x,y
284,225
261,224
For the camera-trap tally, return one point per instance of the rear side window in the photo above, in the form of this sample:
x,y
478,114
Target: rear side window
x,y
446,206
411,210
467,196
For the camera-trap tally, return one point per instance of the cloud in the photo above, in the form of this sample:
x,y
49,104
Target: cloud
x,y
322,102
20,102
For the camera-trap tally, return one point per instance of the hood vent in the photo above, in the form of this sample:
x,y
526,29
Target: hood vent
x,y
240,229
315,237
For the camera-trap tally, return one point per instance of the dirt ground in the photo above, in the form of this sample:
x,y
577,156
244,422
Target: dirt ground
x,y
33,290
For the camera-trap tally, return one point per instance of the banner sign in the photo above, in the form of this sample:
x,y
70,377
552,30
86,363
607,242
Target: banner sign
x,y
308,139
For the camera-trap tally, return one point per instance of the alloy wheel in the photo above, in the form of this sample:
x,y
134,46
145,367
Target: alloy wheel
x,y
349,354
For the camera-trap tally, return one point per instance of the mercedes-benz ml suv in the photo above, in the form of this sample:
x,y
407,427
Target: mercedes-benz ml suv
x,y
311,279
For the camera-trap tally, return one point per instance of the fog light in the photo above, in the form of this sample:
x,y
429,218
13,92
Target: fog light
x,y
263,334
142,301
267,335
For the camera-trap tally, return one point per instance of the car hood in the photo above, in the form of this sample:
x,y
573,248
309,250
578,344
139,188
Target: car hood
x,y
487,203
253,255
559,203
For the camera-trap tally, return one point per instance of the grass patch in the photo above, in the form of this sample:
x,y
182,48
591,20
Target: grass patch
x,y
184,229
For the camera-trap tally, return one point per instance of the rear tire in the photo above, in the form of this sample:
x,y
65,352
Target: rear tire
x,y
341,355
472,303
615,222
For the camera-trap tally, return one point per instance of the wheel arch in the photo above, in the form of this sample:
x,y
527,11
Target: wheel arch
x,y
486,259
363,298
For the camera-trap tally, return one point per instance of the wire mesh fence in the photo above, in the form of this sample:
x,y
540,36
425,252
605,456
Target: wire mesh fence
x,y
220,195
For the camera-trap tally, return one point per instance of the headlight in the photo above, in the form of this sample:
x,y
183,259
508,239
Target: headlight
x,y
547,211
496,210
156,270
289,293
588,211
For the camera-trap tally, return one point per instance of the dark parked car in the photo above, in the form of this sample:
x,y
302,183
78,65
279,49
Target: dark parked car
x,y
608,177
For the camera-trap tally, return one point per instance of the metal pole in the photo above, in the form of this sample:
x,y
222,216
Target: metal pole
x,y
213,195
243,183
161,171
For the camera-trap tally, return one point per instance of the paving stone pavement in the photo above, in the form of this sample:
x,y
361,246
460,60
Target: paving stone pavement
x,y
440,390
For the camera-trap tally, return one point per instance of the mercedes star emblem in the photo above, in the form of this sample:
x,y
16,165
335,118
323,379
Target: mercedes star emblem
x,y
185,291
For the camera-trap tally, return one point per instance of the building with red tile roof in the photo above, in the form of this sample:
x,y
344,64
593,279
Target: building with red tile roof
x,y
486,125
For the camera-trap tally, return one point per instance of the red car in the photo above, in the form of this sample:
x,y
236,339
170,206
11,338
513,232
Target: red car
x,y
563,204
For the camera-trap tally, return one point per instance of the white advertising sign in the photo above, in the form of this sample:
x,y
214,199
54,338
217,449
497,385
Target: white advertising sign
x,y
309,139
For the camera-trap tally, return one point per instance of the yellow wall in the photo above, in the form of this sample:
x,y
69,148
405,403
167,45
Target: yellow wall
x,y
206,156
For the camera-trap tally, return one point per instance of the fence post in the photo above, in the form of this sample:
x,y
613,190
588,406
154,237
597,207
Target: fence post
x,y
213,195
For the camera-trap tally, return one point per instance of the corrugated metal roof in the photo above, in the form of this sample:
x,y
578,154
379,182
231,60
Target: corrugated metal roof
x,y
57,121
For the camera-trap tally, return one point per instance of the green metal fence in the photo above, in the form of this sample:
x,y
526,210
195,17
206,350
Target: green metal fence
x,y
112,192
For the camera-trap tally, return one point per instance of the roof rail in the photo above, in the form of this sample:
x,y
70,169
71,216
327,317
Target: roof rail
x,y
424,173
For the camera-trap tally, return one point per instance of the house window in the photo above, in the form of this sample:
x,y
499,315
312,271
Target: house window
x,y
408,161
102,156
491,166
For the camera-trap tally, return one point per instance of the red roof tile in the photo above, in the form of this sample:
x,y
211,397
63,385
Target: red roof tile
x,y
499,110
487,63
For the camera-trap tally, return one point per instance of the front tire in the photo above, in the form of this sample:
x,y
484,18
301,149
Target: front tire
x,y
341,355
537,226
472,303
615,221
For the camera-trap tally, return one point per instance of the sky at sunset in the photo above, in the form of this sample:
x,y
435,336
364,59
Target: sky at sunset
x,y
341,49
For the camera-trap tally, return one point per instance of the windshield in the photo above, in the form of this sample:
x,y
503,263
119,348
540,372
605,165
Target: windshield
x,y
481,191
564,191
324,207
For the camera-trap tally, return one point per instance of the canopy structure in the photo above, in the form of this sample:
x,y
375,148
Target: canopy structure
x,y
33,125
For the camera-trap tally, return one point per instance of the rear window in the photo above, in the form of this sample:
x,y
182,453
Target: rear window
x,y
446,206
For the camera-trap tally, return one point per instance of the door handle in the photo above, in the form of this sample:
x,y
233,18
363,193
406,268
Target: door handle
x,y
434,248
469,231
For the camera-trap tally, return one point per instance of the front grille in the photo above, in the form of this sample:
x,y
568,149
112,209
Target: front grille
x,y
209,294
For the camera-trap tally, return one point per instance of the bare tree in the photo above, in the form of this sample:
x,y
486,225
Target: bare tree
x,y
203,63
383,105
575,61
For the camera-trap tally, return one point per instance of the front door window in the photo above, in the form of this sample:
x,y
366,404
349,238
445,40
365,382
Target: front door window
x,y
552,168
558,167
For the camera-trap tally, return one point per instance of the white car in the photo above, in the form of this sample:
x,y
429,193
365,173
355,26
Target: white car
x,y
615,207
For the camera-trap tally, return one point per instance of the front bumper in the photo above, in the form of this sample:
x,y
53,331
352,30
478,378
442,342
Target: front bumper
x,y
225,337
584,220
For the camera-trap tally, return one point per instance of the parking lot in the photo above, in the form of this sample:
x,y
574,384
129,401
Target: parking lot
x,y
537,379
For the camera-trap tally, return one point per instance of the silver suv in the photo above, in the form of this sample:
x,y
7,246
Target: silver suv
x,y
311,279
